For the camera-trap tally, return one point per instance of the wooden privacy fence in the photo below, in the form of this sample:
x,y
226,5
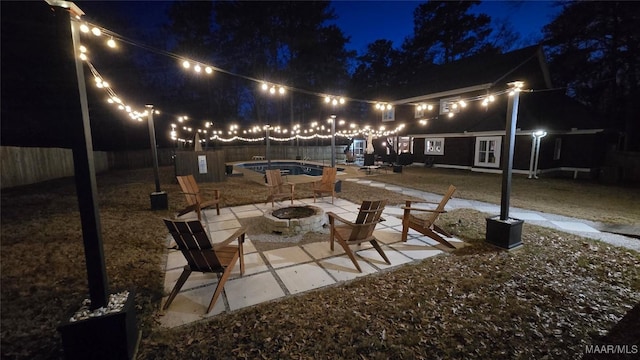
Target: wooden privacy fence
x,y
205,166
25,165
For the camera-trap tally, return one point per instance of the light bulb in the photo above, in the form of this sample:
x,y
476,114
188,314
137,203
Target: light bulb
x,y
96,31
84,28
185,64
208,70
111,43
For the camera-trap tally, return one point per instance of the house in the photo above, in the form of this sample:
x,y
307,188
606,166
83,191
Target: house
x,y
456,118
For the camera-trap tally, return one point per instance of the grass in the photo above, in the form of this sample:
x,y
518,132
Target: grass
x,y
548,299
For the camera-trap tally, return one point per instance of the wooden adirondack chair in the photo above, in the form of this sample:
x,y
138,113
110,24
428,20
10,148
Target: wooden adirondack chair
x,y
326,184
192,193
203,256
361,230
427,226
278,189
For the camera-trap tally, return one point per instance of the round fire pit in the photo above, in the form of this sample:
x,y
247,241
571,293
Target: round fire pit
x,y
293,212
293,220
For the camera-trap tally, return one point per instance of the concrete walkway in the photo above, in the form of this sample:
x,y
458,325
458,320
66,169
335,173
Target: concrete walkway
x,y
287,271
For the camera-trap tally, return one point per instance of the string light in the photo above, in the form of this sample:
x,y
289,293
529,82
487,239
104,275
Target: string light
x,y
272,89
383,106
334,100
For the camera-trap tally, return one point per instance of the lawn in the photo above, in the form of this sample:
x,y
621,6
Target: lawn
x,y
549,299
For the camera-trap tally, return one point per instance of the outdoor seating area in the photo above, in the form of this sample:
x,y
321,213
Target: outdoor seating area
x,y
427,226
194,197
278,188
326,185
293,268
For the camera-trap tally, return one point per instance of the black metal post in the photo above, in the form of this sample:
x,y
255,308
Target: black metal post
x,y
333,141
268,154
507,154
154,147
84,166
503,231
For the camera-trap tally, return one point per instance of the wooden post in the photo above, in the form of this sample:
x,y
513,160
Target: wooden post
x,y
83,162
507,158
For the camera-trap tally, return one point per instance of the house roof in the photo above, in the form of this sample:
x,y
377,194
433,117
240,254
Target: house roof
x,y
492,70
546,110
539,106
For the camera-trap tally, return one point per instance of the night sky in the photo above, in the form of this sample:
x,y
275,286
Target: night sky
x,y
367,21
26,95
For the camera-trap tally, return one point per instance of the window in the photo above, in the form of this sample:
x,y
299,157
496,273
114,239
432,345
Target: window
x,y
358,147
434,146
449,105
557,149
388,115
488,151
405,145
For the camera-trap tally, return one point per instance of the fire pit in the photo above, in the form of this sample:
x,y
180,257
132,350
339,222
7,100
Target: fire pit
x,y
294,220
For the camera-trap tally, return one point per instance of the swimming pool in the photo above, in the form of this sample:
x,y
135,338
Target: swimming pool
x,y
289,167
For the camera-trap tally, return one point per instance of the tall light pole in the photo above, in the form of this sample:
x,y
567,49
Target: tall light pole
x,y
158,198
506,232
333,140
83,159
334,102
268,151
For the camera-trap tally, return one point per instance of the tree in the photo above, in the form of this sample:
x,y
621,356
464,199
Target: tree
x,y
445,31
595,52
285,43
376,67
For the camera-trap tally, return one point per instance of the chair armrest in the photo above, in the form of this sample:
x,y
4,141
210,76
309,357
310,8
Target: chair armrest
x,y
332,216
241,231
419,209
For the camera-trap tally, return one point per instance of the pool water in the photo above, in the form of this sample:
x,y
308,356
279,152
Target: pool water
x,y
290,167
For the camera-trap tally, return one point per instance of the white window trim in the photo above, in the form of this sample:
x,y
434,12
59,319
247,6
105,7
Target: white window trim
x,y
497,152
389,115
445,105
435,152
403,140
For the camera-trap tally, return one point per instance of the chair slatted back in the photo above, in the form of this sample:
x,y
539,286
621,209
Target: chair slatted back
x,y
328,178
193,242
274,178
367,219
190,189
443,202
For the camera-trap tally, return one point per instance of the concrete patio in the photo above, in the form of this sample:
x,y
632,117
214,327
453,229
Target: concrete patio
x,y
290,270
270,275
